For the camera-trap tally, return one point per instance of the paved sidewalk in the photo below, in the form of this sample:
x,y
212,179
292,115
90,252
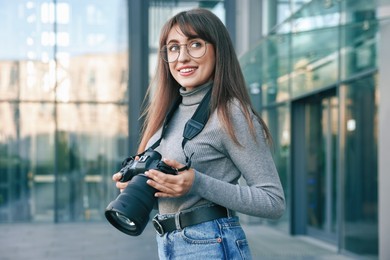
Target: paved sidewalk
x,y
100,241
270,244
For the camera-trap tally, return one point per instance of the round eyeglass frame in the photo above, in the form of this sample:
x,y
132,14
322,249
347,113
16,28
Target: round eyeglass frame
x,y
164,52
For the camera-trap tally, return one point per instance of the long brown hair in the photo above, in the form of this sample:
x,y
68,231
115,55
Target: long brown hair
x,y
228,80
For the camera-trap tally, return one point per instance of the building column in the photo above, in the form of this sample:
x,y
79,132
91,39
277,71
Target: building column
x,y
384,140
230,23
138,23
249,23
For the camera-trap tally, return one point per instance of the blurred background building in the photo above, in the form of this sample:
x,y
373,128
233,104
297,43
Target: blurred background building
x,y
73,75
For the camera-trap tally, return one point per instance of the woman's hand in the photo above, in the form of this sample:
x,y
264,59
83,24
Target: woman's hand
x,y
120,185
117,176
169,185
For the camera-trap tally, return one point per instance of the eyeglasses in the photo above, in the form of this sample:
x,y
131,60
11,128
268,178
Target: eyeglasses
x,y
195,48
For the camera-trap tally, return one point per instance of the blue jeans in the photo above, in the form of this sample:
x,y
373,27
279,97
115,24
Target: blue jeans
x,y
216,239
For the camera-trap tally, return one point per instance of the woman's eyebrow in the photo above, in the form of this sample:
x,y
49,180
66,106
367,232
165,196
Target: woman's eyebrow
x,y
193,37
188,39
173,41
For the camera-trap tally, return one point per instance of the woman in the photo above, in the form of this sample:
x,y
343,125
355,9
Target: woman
x,y
196,207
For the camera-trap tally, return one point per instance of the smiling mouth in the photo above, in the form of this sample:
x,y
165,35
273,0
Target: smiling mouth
x,y
186,70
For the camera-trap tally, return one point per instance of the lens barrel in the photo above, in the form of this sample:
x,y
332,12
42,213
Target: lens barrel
x,y
130,211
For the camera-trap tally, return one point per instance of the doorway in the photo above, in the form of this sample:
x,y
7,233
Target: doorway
x,y
315,138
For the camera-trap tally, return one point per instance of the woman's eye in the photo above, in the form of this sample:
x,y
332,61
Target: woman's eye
x,y
195,45
174,48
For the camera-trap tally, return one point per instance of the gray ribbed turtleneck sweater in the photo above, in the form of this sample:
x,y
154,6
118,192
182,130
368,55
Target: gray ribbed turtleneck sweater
x,y
219,163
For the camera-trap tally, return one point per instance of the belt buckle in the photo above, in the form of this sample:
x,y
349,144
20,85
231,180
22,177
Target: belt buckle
x,y
157,226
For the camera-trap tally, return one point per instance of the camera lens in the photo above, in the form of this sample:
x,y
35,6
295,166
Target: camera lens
x,y
125,221
129,212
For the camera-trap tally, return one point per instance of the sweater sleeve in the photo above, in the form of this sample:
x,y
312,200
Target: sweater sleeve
x,y
263,195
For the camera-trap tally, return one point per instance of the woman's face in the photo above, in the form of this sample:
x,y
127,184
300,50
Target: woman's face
x,y
190,72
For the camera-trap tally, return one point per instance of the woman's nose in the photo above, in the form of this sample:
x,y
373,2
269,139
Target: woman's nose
x,y
183,54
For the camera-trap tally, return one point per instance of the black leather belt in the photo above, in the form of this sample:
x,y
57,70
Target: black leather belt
x,y
185,219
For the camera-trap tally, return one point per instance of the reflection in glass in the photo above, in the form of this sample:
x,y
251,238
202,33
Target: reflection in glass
x,y
358,48
27,164
63,107
315,60
90,140
278,121
319,57
266,70
361,166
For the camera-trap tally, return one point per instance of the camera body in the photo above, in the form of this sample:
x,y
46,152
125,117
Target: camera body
x,y
130,211
149,160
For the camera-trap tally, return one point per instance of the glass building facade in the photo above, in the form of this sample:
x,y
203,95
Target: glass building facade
x,y
314,77
63,120
73,75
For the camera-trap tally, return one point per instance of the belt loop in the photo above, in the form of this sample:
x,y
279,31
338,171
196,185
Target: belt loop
x,y
177,221
229,214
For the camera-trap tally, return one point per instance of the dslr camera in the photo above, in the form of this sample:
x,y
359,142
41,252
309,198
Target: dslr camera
x,y
130,211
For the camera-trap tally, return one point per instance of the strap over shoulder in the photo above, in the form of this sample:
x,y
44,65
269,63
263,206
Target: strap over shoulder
x,y
198,120
193,126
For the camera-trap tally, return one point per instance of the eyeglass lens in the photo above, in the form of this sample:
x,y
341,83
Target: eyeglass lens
x,y
195,48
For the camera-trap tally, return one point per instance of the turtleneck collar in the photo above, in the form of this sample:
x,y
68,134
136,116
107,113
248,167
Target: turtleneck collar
x,y
195,95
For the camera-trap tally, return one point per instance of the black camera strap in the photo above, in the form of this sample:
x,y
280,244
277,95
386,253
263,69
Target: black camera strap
x,y
198,120
168,117
193,126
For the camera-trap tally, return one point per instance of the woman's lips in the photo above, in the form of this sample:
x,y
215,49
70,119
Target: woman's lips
x,y
187,71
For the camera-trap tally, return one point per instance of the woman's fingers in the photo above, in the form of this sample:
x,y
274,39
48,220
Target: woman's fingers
x,y
169,185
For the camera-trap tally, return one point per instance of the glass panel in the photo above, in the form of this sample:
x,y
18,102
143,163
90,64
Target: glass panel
x,y
91,50
266,68
305,15
39,126
278,121
361,166
63,103
316,14
358,39
314,60
81,57
359,10
27,164
251,65
26,61
298,4
90,141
